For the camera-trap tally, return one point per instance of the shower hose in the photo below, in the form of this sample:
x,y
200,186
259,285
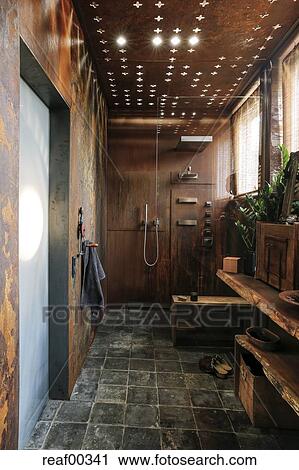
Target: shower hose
x,y
145,239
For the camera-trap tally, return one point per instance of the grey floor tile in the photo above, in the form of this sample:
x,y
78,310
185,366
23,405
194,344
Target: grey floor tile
x,y
218,440
208,419
169,380
50,410
94,363
38,436
142,396
74,412
189,355
114,377
142,379
176,417
119,352
89,376
191,368
141,352
143,416
259,442
84,391
168,366
103,437
205,398
287,439
111,394
96,351
65,436
141,439
142,364
166,354
230,401
180,439
107,413
200,381
241,423
116,363
225,384
174,397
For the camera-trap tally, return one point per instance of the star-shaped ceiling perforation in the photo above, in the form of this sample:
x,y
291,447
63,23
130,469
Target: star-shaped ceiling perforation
x,y
147,51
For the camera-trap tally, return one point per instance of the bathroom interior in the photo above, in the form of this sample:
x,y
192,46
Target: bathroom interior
x,y
149,188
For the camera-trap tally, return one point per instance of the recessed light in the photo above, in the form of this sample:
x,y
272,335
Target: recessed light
x,y
121,41
157,41
175,40
193,40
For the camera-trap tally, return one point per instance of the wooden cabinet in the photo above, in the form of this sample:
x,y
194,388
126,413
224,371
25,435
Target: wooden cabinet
x,y
278,255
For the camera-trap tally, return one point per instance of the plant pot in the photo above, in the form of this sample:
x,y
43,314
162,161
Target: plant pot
x,y
250,263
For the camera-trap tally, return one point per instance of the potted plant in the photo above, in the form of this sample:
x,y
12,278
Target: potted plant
x,y
265,206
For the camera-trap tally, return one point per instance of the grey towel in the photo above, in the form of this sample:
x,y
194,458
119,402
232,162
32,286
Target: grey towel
x,y
93,274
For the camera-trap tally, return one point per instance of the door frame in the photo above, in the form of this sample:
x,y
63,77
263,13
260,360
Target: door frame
x,y
59,187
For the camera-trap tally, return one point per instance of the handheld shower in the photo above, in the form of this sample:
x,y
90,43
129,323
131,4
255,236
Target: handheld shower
x,y
156,223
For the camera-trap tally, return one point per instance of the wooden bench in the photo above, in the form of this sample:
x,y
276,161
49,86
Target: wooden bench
x,y
216,319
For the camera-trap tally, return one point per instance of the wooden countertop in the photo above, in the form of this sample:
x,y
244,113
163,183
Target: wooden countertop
x,y
266,299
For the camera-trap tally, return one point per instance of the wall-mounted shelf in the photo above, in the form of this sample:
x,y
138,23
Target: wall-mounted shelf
x,y
266,299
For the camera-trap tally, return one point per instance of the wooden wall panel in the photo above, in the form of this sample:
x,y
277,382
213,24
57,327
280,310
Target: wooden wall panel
x,y
52,32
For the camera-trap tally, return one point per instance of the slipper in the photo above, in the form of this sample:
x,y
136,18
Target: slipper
x,y
205,364
218,369
224,364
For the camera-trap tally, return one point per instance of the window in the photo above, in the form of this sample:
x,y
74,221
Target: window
x,y
222,151
290,78
246,143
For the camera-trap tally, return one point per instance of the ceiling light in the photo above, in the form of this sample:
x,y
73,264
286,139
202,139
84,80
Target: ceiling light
x,y
157,41
193,40
175,40
121,41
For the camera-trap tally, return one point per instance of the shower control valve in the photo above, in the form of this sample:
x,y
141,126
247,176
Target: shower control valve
x,y
156,222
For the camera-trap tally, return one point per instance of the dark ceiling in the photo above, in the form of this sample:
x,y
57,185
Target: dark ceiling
x,y
235,38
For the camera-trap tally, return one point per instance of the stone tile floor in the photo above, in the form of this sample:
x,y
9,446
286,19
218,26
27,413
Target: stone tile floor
x,y
136,391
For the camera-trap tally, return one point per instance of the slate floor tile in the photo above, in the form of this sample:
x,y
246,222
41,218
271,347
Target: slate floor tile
x,y
208,419
84,391
111,394
38,436
50,410
141,439
241,423
180,439
225,384
176,417
230,401
168,366
89,376
166,354
219,440
144,416
191,368
118,363
141,352
263,442
96,351
74,412
119,352
103,437
169,380
65,436
142,395
205,398
113,377
94,363
107,413
142,379
142,364
200,381
174,397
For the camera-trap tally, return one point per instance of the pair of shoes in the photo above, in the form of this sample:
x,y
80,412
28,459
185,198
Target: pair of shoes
x,y
215,365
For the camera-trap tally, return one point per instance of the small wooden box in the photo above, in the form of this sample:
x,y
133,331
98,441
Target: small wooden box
x,y
263,404
232,264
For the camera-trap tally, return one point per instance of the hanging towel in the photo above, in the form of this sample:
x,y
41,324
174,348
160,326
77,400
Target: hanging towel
x,y
93,273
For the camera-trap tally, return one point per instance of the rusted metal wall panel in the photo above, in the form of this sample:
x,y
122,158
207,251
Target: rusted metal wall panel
x,y
52,32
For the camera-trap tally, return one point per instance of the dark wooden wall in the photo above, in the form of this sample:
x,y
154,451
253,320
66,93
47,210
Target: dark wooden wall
x,y
51,31
184,264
